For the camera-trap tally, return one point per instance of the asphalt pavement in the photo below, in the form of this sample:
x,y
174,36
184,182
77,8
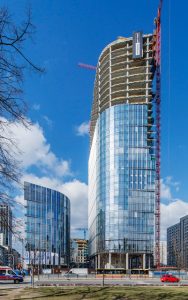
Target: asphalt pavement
x,y
62,281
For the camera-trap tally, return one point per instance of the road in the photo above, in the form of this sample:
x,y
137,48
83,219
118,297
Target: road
x,y
61,281
11,285
93,281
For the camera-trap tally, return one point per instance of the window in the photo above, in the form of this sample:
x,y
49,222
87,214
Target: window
x,y
2,272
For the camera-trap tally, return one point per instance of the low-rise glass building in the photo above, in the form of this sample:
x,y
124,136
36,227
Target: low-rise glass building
x,y
47,226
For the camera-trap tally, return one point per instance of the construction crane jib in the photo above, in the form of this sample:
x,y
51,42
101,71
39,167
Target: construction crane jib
x,y
84,231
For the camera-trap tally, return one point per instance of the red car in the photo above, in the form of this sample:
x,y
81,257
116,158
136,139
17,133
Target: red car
x,y
169,278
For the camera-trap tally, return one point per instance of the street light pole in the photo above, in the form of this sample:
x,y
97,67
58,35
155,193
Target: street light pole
x,y
39,256
22,253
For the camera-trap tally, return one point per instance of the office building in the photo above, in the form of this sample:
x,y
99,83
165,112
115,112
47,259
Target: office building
x,y
122,161
47,226
177,244
5,225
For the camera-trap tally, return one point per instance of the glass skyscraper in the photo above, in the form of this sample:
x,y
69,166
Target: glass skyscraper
x,y
122,162
47,226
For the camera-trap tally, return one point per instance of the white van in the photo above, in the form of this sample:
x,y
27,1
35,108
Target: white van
x,y
77,272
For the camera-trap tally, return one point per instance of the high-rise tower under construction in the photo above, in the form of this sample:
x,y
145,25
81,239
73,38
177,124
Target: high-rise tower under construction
x,y
122,162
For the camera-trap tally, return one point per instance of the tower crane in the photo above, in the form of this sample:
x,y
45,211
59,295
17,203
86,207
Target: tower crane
x,y
84,231
86,66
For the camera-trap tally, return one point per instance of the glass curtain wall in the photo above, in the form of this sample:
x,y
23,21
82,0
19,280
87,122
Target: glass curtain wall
x,y
122,182
47,226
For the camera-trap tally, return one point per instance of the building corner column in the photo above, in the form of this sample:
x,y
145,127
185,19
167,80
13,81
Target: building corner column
x,y
127,261
144,261
99,261
110,260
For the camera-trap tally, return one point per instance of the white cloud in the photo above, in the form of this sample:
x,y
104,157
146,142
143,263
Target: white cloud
x,y
20,202
36,151
48,121
52,183
171,182
83,129
36,106
171,214
173,209
165,190
166,185
78,193
75,190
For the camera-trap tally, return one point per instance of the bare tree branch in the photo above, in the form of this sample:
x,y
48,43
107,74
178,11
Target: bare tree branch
x,y
13,62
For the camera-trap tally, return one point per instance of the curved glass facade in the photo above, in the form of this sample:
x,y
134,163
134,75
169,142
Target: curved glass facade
x,y
47,226
122,182
122,162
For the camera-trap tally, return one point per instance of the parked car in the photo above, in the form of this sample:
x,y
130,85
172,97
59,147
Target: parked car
x,y
8,275
169,278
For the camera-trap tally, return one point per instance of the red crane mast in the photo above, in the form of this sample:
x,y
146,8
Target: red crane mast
x,y
157,57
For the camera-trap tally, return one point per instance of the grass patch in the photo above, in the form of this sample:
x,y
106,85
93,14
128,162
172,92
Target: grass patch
x,y
104,293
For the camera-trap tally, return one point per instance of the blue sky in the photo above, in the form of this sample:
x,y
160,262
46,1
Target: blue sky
x,y
68,32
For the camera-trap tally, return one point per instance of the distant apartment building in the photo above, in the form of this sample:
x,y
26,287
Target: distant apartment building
x,y
177,244
79,252
163,253
47,226
173,244
184,241
5,225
